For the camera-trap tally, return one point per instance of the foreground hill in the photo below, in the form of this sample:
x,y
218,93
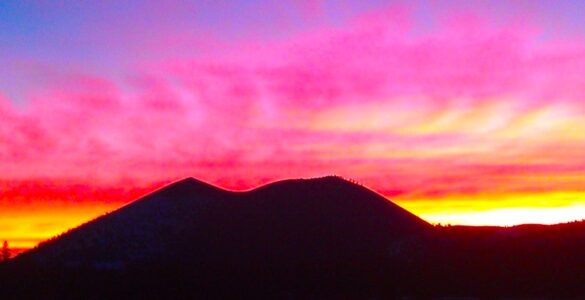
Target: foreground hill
x,y
286,236
300,219
316,238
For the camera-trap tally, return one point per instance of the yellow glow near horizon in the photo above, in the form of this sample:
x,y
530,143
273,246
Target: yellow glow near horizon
x,y
501,210
28,228
509,216
25,229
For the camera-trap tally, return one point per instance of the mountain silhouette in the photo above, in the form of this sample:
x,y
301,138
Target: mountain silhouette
x,y
303,238
300,221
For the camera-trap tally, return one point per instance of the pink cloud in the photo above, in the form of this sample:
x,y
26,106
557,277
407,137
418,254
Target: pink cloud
x,y
248,114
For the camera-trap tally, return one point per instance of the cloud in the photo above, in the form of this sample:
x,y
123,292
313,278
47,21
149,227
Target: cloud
x,y
374,99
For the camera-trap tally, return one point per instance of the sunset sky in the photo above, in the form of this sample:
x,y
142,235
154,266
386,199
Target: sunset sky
x,y
463,112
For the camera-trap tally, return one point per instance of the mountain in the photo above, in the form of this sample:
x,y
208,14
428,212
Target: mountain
x,y
323,238
300,219
289,234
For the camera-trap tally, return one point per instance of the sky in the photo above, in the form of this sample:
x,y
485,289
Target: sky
x,y
463,112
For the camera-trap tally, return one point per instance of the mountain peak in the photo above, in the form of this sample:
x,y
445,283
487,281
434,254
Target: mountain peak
x,y
189,181
330,179
189,185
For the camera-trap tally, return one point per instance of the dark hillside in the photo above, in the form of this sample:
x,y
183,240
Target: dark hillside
x,y
294,235
313,238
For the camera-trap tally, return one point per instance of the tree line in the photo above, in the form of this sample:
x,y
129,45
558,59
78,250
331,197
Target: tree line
x,y
5,252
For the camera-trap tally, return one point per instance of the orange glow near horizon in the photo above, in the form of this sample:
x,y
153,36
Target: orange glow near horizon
x,y
33,212
24,227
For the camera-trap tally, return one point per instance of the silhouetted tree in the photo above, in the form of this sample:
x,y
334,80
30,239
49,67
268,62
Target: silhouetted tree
x,y
5,255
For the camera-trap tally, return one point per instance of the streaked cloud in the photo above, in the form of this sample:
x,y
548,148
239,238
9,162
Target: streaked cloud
x,y
459,111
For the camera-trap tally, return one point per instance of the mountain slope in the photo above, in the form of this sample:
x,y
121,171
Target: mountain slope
x,y
307,221
300,239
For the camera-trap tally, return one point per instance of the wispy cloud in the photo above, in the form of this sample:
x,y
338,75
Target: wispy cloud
x,y
461,109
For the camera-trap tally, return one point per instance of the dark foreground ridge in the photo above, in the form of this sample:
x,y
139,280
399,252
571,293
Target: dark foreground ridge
x,y
313,238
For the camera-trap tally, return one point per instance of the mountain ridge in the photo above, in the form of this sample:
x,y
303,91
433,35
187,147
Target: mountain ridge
x,y
167,216
320,238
